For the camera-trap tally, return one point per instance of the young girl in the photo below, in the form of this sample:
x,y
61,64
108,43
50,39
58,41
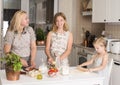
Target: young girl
x,y
20,39
59,40
100,59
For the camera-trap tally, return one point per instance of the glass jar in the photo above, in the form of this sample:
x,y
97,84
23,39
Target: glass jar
x,y
65,69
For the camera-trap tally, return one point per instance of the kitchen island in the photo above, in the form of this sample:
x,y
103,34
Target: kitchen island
x,y
75,77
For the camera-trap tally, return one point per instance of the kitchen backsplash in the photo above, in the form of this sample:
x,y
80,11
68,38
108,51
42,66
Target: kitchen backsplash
x,y
113,30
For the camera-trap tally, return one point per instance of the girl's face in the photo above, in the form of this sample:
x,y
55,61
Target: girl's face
x,y
25,20
99,48
60,22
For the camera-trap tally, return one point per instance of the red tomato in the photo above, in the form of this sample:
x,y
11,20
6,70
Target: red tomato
x,y
56,70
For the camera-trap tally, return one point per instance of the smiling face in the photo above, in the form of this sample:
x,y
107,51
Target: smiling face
x,y
60,22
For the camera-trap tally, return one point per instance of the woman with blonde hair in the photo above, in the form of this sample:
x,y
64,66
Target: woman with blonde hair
x,y
59,41
20,39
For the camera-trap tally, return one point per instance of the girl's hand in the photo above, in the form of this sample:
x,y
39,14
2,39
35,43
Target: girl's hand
x,y
24,62
82,69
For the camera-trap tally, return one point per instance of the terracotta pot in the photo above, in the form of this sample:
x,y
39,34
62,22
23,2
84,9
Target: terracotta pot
x,y
11,74
40,42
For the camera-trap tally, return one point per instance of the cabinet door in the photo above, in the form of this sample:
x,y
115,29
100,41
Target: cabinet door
x,y
113,11
115,76
89,56
106,11
99,11
73,61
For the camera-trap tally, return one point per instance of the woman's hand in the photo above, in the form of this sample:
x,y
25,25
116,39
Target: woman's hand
x,y
24,62
32,64
61,58
50,60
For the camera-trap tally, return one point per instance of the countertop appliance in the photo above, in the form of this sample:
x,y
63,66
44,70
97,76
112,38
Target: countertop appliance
x,y
115,46
108,43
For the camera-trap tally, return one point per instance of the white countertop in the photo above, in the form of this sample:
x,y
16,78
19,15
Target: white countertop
x,y
87,49
73,78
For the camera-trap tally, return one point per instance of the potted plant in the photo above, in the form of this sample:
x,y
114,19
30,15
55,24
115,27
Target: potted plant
x,y
13,66
40,36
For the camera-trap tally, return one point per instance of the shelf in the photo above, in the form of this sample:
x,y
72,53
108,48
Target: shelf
x,y
86,13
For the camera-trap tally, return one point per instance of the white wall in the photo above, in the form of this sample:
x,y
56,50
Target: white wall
x,y
12,4
1,11
66,6
25,6
1,18
73,11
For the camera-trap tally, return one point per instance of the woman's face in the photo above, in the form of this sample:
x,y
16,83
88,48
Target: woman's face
x,y
99,48
60,22
25,20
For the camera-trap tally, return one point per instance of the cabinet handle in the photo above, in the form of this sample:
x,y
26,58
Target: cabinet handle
x,y
104,19
116,63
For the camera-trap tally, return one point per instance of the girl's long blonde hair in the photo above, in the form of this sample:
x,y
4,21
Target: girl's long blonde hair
x,y
15,23
65,26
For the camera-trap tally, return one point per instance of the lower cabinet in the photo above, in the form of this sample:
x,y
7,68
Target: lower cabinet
x,y
115,75
41,57
89,56
76,54
73,57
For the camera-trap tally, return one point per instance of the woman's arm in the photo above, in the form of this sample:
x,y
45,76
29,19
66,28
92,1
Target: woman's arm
x,y
69,47
47,48
8,41
7,48
33,53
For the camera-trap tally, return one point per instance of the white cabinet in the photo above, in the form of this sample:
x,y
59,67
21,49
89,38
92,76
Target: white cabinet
x,y
115,77
73,57
106,11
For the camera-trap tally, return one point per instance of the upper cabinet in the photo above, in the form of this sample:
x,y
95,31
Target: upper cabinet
x,y
105,11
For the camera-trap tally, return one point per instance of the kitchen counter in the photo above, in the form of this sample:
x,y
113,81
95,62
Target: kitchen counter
x,y
75,77
87,49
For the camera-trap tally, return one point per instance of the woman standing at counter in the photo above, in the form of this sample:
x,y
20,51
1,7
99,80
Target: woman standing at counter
x,y
20,39
59,41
